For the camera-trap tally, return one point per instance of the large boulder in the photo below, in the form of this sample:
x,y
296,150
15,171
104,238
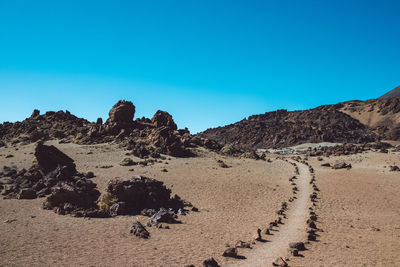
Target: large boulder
x,y
163,118
55,175
168,142
139,193
49,157
122,112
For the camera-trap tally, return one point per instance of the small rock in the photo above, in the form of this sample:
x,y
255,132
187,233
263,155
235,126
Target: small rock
x,y
127,162
139,230
297,245
230,252
293,252
257,235
210,263
222,164
27,193
89,175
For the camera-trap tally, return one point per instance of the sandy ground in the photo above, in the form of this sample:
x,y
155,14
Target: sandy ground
x,y
354,204
233,203
359,213
292,229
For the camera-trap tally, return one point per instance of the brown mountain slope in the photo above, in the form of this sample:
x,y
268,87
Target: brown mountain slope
x,y
394,93
381,115
282,129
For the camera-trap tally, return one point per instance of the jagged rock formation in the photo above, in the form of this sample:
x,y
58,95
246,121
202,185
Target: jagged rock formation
x,y
282,129
162,118
51,125
55,176
144,137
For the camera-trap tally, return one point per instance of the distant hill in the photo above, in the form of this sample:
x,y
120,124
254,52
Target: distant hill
x,y
381,115
282,129
394,93
352,122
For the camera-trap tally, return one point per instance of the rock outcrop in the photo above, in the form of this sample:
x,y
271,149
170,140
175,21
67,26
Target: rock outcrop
x,y
144,137
142,195
54,176
162,118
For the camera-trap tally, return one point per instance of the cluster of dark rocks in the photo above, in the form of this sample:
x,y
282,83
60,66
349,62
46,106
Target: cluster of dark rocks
x,y
145,196
69,192
51,125
394,168
55,177
143,137
281,128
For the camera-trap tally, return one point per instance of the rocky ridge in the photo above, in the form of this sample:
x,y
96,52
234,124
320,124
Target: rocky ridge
x,y
144,137
281,128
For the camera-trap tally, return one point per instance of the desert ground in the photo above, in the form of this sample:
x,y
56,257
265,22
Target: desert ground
x,y
358,213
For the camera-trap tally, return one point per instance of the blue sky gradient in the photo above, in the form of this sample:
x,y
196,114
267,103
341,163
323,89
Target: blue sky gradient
x,y
208,63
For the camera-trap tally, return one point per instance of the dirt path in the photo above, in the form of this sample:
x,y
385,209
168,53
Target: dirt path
x,y
292,230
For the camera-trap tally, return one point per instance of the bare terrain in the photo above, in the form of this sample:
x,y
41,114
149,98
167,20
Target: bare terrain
x,y
233,202
358,212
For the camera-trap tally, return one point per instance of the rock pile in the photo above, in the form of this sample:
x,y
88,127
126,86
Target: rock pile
x,y
144,137
55,176
142,195
51,125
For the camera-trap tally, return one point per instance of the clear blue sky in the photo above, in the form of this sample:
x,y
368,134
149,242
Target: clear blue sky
x,y
208,63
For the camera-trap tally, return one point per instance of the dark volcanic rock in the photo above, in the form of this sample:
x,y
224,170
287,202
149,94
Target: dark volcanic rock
x,y
122,112
35,114
142,193
394,168
162,118
55,174
297,245
52,124
210,263
230,252
139,230
144,137
283,129
49,157
27,193
163,215
169,143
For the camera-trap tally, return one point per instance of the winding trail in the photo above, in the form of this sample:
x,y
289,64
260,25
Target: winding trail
x,y
293,229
